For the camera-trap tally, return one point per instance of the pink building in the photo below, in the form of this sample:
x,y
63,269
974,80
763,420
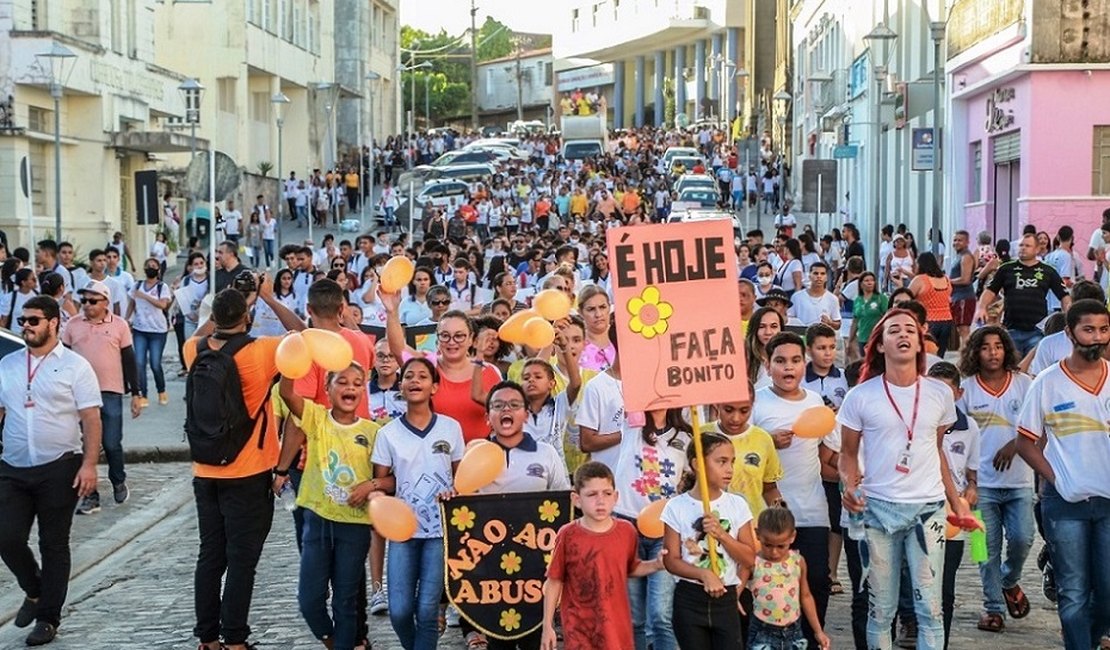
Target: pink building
x,y
1029,139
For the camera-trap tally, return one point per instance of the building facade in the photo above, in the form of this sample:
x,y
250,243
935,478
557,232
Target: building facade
x,y
367,48
516,87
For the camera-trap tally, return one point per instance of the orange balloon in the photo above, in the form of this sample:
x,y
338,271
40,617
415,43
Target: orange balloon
x,y
293,357
951,530
552,304
538,333
512,330
814,422
393,518
649,522
397,273
479,467
328,349
931,348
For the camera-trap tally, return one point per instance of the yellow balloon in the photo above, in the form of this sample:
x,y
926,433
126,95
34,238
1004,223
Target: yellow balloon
x,y
650,522
397,273
512,330
538,333
815,422
328,349
479,467
392,518
552,304
293,357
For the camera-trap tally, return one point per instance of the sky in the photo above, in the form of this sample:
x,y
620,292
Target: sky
x,y
454,15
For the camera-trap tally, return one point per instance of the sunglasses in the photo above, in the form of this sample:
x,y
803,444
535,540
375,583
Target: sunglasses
x,y
91,301
33,321
440,302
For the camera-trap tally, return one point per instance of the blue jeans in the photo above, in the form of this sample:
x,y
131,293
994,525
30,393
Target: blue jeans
x,y
334,555
764,636
389,219
149,345
1025,340
652,601
1078,535
111,424
302,216
1009,511
268,247
913,532
415,577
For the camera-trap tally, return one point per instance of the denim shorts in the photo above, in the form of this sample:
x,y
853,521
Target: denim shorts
x,y
765,636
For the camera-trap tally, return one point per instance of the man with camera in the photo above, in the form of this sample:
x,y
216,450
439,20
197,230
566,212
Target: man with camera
x,y
233,440
228,266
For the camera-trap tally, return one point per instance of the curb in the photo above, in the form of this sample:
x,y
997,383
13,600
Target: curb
x,y
137,455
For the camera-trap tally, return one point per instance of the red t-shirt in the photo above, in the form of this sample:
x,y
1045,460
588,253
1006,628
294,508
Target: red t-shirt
x,y
453,400
312,386
594,569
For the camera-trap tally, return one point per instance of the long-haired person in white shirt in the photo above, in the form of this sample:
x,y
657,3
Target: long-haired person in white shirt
x,y
902,416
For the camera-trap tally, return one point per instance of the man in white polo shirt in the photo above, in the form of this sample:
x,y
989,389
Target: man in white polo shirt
x,y
1068,406
49,396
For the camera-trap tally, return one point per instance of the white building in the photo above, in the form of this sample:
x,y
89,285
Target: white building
x,y
521,83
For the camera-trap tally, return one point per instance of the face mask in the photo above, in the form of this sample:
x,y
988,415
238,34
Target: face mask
x,y
574,240
765,280
151,273
198,272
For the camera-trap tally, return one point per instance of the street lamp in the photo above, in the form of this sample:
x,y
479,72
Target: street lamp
x,y
880,39
191,92
58,61
412,86
369,192
937,28
782,100
278,101
427,102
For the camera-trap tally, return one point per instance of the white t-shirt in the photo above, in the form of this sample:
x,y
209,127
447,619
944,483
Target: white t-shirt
x,y
867,409
121,286
683,514
147,317
647,473
602,409
1050,350
16,310
801,463
809,309
421,461
1074,418
961,448
784,275
996,414
232,219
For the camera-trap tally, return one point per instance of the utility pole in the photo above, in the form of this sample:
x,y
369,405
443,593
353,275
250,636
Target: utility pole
x,y
519,87
473,65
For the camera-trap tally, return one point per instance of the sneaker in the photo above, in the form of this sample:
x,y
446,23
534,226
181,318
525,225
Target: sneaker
x,y
89,504
26,614
379,602
120,492
163,398
452,616
42,634
144,402
1048,583
907,634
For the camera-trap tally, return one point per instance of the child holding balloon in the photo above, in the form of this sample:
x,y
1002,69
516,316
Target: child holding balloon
x,y
705,614
334,491
421,450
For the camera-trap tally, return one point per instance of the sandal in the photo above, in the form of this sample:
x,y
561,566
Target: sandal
x,y
1016,602
476,641
991,622
836,588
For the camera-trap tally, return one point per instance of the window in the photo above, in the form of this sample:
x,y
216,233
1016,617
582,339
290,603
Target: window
x,y
548,74
227,94
489,82
574,20
975,183
250,12
595,12
38,157
260,107
116,29
1100,185
40,120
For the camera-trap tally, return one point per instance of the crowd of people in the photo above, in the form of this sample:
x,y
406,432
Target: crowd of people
x,y
988,373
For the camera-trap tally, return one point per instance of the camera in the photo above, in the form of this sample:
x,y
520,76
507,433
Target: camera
x,y
246,282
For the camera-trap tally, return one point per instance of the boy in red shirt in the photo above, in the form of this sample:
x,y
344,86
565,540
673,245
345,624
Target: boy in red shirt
x,y
588,576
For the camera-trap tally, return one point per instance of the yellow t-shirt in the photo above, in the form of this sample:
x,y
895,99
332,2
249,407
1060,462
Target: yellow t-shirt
x,y
578,204
757,462
338,458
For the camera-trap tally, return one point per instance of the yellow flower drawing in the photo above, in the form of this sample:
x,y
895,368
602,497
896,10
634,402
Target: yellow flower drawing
x,y
510,562
547,559
649,313
549,511
510,619
463,518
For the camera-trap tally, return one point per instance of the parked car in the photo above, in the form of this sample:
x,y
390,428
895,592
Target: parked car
x,y
671,152
691,215
695,197
434,193
700,181
687,162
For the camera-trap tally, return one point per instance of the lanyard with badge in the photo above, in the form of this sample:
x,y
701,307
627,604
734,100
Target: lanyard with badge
x,y
903,464
30,402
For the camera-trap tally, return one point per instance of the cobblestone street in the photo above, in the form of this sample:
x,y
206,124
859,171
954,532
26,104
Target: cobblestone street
x,y
141,594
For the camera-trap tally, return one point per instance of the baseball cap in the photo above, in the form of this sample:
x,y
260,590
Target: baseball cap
x,y
98,287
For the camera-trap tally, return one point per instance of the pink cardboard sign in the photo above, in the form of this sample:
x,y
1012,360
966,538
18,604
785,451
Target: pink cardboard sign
x,y
677,314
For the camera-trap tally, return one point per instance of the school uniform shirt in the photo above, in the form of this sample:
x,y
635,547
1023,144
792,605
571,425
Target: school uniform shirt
x,y
996,414
549,425
11,306
1072,416
648,472
421,462
602,409
867,409
531,466
413,311
64,383
385,404
302,280
338,460
801,464
1050,350
832,387
466,297
757,462
683,514
961,449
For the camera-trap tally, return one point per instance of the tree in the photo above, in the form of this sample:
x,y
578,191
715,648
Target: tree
x,y
495,40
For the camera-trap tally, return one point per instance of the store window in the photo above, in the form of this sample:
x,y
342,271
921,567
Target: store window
x,y
1100,177
975,183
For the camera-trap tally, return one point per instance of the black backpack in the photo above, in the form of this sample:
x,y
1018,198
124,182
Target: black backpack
x,y
217,423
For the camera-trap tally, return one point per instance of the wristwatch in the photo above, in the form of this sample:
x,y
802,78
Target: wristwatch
x,y
281,472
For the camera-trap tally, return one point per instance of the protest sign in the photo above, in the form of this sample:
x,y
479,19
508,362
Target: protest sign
x,y
677,314
496,551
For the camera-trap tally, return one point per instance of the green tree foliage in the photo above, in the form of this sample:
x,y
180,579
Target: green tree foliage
x,y
495,40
